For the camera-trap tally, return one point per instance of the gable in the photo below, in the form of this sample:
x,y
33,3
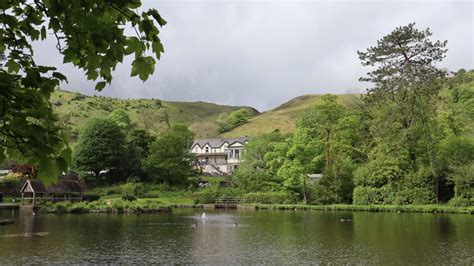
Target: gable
x,y
26,187
236,144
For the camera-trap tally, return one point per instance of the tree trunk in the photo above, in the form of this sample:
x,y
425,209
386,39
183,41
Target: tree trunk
x,y
305,199
96,173
437,189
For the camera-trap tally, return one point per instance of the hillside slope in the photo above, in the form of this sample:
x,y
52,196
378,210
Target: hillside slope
x,y
285,116
74,109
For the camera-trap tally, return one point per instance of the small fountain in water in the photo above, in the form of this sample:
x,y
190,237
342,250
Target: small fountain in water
x,y
203,215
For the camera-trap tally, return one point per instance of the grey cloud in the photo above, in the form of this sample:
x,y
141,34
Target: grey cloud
x,y
264,53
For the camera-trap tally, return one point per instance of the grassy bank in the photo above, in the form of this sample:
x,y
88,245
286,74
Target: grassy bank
x,y
367,208
117,205
106,206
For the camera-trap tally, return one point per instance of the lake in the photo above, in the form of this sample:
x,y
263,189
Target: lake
x,y
239,237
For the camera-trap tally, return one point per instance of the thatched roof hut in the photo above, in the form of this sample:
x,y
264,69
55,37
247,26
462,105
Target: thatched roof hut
x,y
66,186
34,186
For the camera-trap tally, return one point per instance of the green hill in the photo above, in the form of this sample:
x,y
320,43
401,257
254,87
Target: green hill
x,y
74,109
285,116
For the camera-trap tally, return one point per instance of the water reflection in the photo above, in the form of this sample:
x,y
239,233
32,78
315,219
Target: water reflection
x,y
240,237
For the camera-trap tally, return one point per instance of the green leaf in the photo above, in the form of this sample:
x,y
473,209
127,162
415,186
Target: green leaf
x,y
69,56
12,66
133,45
157,48
143,67
59,76
154,13
100,85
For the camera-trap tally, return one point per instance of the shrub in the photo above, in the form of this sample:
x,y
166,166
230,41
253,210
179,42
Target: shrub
x,y
461,202
129,197
391,196
135,189
62,207
412,196
206,196
79,207
78,97
367,196
119,205
270,198
139,190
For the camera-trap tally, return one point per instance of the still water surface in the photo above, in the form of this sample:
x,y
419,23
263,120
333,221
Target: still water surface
x,y
239,237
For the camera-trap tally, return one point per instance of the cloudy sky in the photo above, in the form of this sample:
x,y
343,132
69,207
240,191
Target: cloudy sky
x,y
262,53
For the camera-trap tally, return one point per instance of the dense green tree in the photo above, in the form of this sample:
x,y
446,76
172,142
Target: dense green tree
x,y
90,35
402,106
101,147
227,122
224,122
138,146
240,117
169,159
327,141
456,158
141,139
298,163
254,173
121,118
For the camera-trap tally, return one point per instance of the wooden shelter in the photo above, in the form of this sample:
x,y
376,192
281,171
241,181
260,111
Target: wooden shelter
x,y
66,189
31,190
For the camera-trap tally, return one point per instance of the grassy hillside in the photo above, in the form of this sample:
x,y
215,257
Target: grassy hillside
x,y
285,116
74,109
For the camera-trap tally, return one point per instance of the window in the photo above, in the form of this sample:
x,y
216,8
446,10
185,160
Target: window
x,y
206,150
237,154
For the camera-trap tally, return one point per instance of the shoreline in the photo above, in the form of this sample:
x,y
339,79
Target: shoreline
x,y
363,208
134,208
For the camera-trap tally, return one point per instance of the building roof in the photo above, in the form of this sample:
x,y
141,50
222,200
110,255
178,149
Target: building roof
x,y
216,143
36,185
66,186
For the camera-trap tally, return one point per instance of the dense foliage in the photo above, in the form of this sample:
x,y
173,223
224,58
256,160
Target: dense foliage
x,y
101,147
410,141
90,35
169,159
227,122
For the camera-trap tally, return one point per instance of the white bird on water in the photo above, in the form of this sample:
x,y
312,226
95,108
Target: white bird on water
x,y
203,215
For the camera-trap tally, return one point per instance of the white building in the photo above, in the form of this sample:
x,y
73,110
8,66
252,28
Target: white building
x,y
218,156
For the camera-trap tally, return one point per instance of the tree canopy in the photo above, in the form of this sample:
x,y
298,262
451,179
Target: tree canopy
x,y
91,35
101,147
169,159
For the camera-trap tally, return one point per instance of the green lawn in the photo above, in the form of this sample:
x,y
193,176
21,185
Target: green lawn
x,y
165,200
